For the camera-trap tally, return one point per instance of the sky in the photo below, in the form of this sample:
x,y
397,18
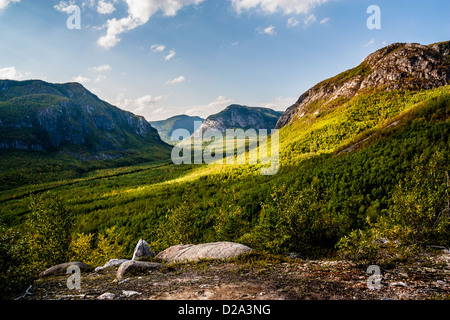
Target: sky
x,y
160,58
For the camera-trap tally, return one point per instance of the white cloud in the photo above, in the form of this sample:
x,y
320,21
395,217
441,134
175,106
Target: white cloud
x,y
100,78
81,79
324,21
292,22
368,44
145,106
139,13
145,102
114,29
278,104
5,3
10,73
212,108
102,68
63,6
309,20
171,54
90,3
180,79
270,30
104,7
158,48
273,6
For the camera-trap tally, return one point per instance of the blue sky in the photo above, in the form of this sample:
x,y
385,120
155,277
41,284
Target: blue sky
x,y
160,58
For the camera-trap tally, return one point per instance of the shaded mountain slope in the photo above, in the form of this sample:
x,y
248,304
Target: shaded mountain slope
x,y
40,116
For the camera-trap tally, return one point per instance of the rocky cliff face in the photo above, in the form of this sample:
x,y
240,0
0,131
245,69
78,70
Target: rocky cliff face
x,y
35,115
167,127
398,66
241,117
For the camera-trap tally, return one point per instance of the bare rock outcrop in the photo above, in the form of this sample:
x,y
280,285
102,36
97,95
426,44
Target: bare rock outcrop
x,y
61,269
134,268
213,251
399,66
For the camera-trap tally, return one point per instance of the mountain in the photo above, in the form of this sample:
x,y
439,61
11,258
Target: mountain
x,y
399,66
167,127
40,116
241,117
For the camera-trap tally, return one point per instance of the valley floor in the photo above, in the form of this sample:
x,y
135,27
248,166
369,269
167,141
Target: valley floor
x,y
295,279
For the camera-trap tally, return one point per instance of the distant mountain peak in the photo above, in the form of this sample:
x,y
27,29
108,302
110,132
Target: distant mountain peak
x,y
242,117
168,126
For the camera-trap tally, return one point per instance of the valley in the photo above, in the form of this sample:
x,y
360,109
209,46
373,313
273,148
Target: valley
x,y
363,170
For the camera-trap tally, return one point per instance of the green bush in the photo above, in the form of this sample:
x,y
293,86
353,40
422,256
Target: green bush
x,y
421,204
15,273
176,227
417,218
50,225
296,222
110,245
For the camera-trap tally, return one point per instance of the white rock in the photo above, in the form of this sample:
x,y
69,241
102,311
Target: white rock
x,y
214,251
111,263
128,294
142,250
107,296
399,284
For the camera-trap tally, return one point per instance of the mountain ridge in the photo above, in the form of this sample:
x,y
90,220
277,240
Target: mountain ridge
x,y
39,116
398,66
241,117
168,126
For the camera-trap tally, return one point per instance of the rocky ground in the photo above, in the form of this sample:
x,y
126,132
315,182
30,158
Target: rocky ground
x,y
257,278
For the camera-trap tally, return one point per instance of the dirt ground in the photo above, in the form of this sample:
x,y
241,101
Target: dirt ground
x,y
258,280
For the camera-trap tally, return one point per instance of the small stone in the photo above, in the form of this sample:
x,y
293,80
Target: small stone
x,y
107,296
129,294
123,281
399,284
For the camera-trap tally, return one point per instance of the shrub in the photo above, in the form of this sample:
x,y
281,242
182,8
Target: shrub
x,y
15,275
176,227
418,217
296,221
421,204
110,245
50,225
230,223
369,247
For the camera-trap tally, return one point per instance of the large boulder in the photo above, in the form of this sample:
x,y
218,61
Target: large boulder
x,y
142,251
135,268
61,269
213,251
